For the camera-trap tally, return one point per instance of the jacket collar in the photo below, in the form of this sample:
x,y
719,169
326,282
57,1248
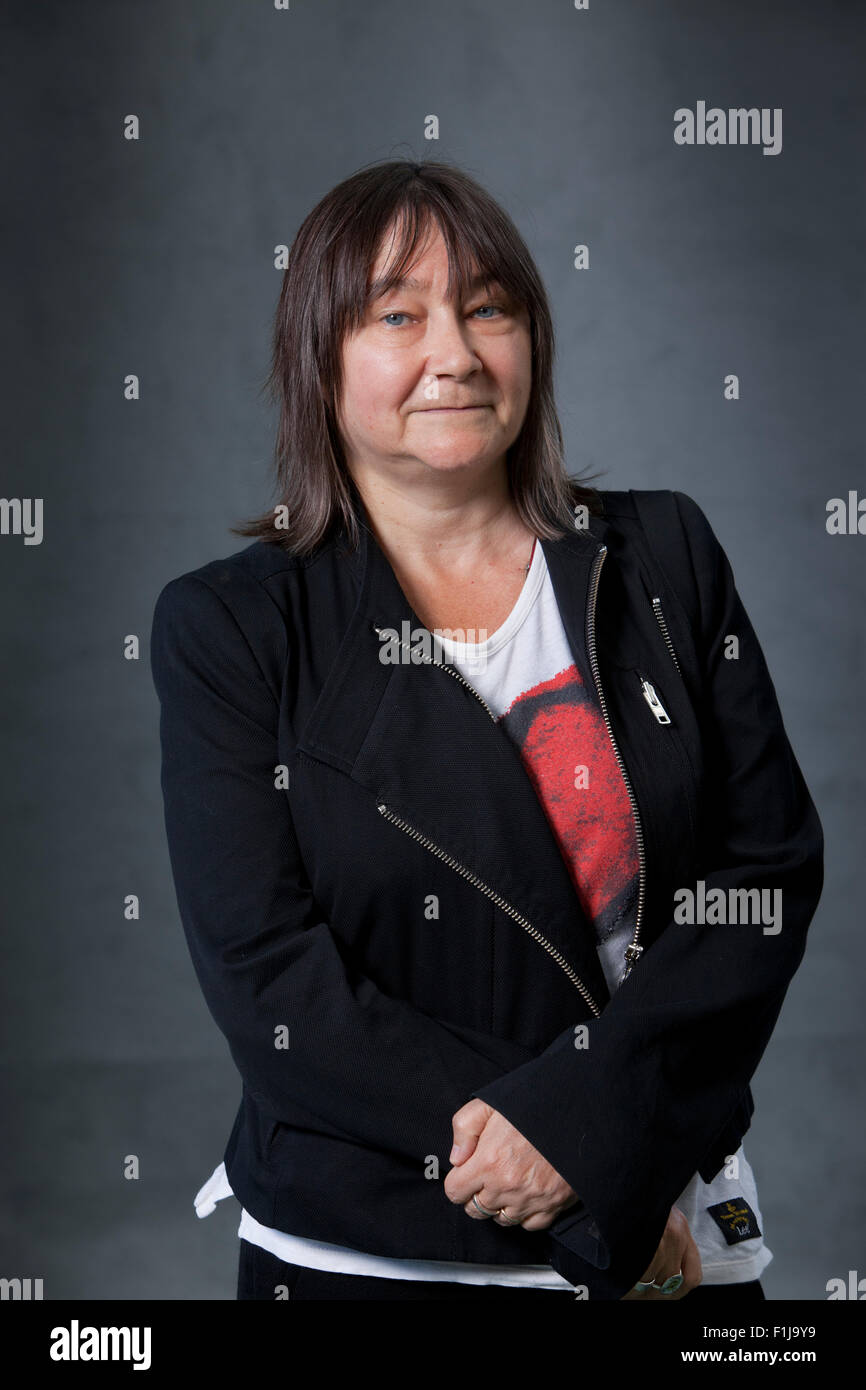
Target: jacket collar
x,y
425,747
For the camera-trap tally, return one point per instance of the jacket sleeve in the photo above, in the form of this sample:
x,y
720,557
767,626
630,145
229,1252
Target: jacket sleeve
x,y
358,1063
628,1119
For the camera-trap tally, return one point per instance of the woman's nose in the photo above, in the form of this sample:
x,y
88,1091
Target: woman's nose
x,y
448,350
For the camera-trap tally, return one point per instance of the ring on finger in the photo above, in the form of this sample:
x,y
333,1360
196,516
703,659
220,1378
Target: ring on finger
x,y
671,1285
509,1220
483,1210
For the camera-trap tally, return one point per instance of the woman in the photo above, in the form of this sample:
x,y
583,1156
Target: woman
x,y
492,854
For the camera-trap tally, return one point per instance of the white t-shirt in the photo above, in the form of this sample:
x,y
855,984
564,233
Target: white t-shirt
x,y
527,674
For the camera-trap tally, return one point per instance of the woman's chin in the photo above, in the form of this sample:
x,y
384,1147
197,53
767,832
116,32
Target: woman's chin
x,y
455,459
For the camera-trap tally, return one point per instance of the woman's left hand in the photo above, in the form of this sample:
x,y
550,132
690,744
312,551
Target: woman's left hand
x,y
494,1161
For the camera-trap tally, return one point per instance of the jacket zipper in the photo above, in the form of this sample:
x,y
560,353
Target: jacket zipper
x,y
500,901
652,699
634,950
467,873
657,609
442,667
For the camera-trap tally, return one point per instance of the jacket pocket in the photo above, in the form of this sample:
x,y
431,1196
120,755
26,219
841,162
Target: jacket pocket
x,y
263,1133
663,726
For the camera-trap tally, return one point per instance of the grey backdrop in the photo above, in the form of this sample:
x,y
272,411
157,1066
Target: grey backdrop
x,y
155,257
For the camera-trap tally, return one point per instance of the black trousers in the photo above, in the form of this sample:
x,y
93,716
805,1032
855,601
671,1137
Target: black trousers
x,y
260,1274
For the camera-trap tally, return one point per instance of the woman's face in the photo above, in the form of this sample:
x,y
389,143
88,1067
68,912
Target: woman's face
x,y
431,387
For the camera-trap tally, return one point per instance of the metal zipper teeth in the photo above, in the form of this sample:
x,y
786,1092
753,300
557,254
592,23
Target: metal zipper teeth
x,y
657,609
634,950
428,660
490,893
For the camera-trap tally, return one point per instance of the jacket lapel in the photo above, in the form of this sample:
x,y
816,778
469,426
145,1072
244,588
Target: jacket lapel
x,y
425,747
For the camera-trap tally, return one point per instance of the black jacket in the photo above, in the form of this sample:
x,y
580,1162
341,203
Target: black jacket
x,y
318,800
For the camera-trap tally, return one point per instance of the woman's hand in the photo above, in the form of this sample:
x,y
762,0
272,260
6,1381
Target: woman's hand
x,y
676,1253
493,1160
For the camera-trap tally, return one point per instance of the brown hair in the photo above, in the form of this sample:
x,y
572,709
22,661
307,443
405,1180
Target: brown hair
x,y
324,297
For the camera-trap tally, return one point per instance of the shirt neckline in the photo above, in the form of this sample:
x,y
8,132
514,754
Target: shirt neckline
x,y
472,651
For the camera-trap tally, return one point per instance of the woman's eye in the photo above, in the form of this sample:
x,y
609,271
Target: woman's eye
x,y
400,314
481,307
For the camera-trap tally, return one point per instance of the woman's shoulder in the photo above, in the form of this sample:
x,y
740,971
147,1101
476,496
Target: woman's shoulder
x,y
636,503
244,569
228,610
258,576
670,521
673,538
243,607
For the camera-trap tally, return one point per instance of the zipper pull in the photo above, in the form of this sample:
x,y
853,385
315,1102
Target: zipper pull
x,y
632,954
653,701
